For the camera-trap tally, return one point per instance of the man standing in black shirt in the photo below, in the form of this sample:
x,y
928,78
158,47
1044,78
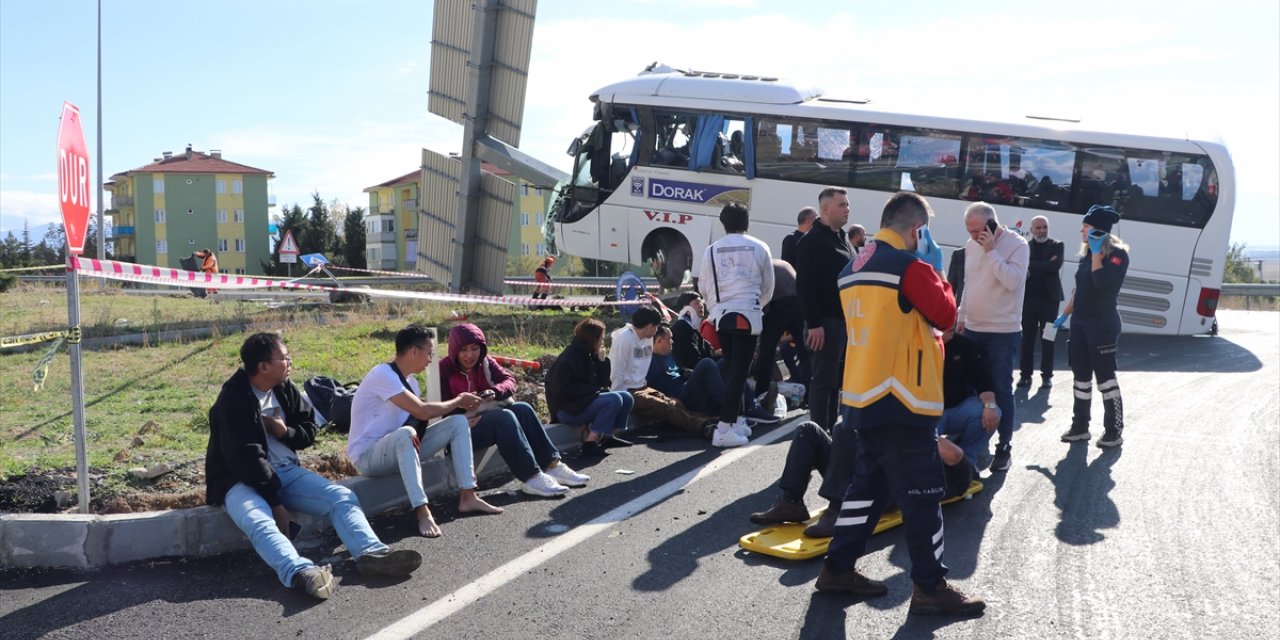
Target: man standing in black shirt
x,y
822,253
1040,302
804,222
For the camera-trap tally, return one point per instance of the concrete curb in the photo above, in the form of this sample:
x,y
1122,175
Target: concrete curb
x,y
92,541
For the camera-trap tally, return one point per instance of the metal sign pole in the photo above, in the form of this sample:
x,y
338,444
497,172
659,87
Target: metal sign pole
x,y
77,386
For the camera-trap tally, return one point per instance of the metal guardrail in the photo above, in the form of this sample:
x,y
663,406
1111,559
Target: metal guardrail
x,y
1251,289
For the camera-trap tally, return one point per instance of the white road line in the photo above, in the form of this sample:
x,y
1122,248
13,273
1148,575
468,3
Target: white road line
x,y
416,622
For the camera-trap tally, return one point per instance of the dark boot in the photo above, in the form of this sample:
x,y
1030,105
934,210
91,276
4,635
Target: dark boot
x,y
849,582
944,600
783,510
825,527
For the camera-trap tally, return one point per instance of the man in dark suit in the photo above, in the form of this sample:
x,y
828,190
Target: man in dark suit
x,y
804,220
1040,304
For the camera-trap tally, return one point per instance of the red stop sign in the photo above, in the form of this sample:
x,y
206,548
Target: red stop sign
x,y
73,178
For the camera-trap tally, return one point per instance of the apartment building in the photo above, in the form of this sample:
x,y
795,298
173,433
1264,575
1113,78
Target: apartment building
x,y
187,201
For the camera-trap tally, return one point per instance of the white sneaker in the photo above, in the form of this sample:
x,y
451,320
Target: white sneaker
x,y
741,427
726,435
543,485
566,476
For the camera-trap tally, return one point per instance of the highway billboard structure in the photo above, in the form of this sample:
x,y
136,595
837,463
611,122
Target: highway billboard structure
x,y
479,69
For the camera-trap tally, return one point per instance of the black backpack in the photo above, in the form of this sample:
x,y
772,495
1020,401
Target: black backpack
x,y
333,400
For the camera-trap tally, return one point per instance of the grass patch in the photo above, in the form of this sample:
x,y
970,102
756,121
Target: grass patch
x,y
173,384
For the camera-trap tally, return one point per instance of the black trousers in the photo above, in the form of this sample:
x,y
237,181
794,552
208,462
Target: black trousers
x,y
1036,313
827,373
898,463
739,346
783,316
810,451
1092,353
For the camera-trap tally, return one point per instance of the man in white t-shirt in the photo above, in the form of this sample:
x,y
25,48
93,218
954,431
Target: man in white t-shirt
x,y
381,443
995,278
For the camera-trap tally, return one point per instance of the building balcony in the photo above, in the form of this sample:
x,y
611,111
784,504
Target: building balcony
x,y
384,208
121,201
386,237
388,265
409,205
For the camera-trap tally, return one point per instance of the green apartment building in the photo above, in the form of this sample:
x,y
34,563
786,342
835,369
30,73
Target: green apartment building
x,y
163,211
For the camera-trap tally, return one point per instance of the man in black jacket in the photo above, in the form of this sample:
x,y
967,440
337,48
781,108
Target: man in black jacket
x,y
688,345
256,426
804,222
822,253
1040,301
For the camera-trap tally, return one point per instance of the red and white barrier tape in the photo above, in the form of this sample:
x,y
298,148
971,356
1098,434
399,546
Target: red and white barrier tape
x,y
516,362
534,283
130,272
402,274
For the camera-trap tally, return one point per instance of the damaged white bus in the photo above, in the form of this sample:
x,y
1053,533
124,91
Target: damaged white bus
x,y
670,148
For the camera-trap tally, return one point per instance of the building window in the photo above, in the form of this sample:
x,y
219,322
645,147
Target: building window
x,y
158,185
222,186
239,215
222,216
237,186
541,219
239,245
162,246
524,249
239,271
524,189
538,191
222,245
542,249
524,219
159,216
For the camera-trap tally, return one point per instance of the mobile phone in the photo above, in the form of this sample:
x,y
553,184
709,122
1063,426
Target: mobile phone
x,y
920,239
991,226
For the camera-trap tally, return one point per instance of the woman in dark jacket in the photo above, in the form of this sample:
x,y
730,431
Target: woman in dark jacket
x,y
1095,326
578,388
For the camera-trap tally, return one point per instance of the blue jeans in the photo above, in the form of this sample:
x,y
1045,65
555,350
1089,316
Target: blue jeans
x,y
962,425
395,453
606,414
305,492
521,439
1002,349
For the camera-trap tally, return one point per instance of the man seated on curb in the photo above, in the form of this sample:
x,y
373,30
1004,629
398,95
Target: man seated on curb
x,y
701,390
256,426
381,442
968,420
630,354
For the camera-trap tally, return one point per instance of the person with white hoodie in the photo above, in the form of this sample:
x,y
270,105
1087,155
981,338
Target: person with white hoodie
x,y
736,279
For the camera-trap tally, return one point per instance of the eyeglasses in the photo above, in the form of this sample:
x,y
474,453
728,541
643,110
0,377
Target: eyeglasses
x,y
284,359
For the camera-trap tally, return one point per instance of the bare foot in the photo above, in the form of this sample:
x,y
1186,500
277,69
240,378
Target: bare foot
x,y
427,524
469,502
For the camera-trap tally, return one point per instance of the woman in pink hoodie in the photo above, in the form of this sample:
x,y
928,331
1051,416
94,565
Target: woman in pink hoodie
x,y
513,426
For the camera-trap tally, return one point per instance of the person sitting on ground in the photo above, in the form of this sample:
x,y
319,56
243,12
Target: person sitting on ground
x,y
630,354
522,440
810,451
689,346
577,390
700,390
382,441
256,426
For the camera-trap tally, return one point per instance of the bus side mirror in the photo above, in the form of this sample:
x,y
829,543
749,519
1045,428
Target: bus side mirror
x,y
574,147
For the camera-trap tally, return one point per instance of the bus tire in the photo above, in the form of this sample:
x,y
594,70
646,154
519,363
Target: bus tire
x,y
670,261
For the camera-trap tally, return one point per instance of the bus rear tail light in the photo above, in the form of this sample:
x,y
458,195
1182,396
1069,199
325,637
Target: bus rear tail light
x,y
1208,304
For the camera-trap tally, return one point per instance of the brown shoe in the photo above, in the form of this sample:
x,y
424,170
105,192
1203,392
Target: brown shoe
x,y
945,600
849,582
782,511
825,527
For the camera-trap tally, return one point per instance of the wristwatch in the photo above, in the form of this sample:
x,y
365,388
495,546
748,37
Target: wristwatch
x,y
989,405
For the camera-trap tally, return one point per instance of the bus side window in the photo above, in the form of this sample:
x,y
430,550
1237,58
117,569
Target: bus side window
x,y
672,135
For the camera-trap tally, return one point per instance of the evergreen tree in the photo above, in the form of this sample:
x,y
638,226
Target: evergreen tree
x,y
353,237
53,247
26,242
320,235
292,219
11,252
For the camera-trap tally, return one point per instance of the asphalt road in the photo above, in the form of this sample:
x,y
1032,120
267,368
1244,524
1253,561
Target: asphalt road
x,y
1174,536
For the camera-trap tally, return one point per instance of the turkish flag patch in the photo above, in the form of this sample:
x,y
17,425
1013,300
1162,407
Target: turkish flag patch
x,y
1116,260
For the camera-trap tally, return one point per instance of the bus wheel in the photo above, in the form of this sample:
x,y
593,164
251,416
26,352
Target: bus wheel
x,y
672,258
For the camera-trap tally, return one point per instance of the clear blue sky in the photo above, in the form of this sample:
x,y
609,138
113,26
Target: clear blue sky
x,y
331,96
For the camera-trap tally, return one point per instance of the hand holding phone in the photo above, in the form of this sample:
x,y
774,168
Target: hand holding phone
x,y
927,249
1096,240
